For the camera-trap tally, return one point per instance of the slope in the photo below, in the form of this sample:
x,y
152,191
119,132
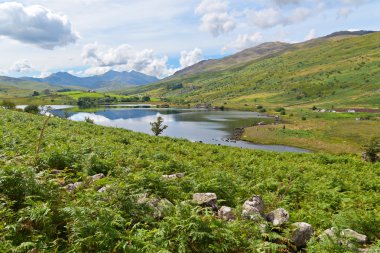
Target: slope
x,y
337,70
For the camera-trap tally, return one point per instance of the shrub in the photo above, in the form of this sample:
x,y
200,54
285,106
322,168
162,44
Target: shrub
x,y
8,104
34,109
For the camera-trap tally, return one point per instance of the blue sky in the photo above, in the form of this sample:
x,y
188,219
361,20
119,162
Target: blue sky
x,y
159,37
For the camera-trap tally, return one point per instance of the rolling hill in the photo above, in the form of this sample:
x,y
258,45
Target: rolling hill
x,y
15,87
340,69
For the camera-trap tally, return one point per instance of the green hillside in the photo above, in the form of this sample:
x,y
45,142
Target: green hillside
x,y
338,71
39,158
14,87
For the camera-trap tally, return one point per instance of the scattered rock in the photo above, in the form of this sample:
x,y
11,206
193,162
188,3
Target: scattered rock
x,y
226,213
350,235
346,236
174,176
104,188
206,200
253,208
72,187
161,207
302,232
96,177
55,172
278,217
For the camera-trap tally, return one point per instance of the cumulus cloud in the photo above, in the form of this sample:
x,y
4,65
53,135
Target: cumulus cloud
x,y
311,35
215,17
35,25
21,66
125,58
244,41
190,58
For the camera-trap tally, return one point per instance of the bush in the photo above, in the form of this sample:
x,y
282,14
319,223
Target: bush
x,y
8,104
34,109
372,150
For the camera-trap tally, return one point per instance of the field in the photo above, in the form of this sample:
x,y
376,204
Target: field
x,y
336,133
38,157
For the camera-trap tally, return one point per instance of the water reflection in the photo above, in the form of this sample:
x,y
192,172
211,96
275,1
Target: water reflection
x,y
213,127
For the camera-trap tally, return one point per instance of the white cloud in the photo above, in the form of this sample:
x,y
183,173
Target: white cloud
x,y
271,17
125,58
244,41
311,35
21,66
35,25
215,17
190,58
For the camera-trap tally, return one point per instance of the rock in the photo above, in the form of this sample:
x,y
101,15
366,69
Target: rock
x,y
226,213
346,236
278,217
353,236
72,187
104,188
253,208
206,200
96,177
302,232
55,172
174,176
161,207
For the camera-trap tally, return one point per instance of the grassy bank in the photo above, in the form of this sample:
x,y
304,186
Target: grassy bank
x,y
336,133
36,214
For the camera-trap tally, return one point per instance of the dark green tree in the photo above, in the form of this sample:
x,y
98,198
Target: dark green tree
x,y
34,109
372,150
158,127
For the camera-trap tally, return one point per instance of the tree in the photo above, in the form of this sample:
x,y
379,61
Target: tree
x,y
372,150
35,93
158,127
8,104
34,109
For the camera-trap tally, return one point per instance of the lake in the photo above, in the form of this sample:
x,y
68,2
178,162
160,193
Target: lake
x,y
207,126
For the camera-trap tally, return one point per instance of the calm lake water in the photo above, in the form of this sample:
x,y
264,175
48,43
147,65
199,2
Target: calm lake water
x,y
213,127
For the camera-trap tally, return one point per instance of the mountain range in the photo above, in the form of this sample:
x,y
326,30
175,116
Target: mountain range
x,y
111,80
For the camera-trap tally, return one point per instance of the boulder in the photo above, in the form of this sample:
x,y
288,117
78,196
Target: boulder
x,y
72,187
104,188
346,236
173,176
96,177
161,207
253,208
278,217
350,235
226,213
301,234
206,200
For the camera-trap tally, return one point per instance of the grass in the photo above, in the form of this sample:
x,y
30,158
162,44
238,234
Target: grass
x,y
36,214
336,133
329,72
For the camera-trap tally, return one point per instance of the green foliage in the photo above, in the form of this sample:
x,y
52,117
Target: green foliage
x,y
158,127
34,109
38,215
8,104
372,151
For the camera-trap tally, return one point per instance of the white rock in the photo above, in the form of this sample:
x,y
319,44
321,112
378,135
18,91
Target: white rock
x,y
226,213
278,217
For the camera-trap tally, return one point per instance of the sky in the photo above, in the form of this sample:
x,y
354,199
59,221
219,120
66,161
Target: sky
x,y
159,37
